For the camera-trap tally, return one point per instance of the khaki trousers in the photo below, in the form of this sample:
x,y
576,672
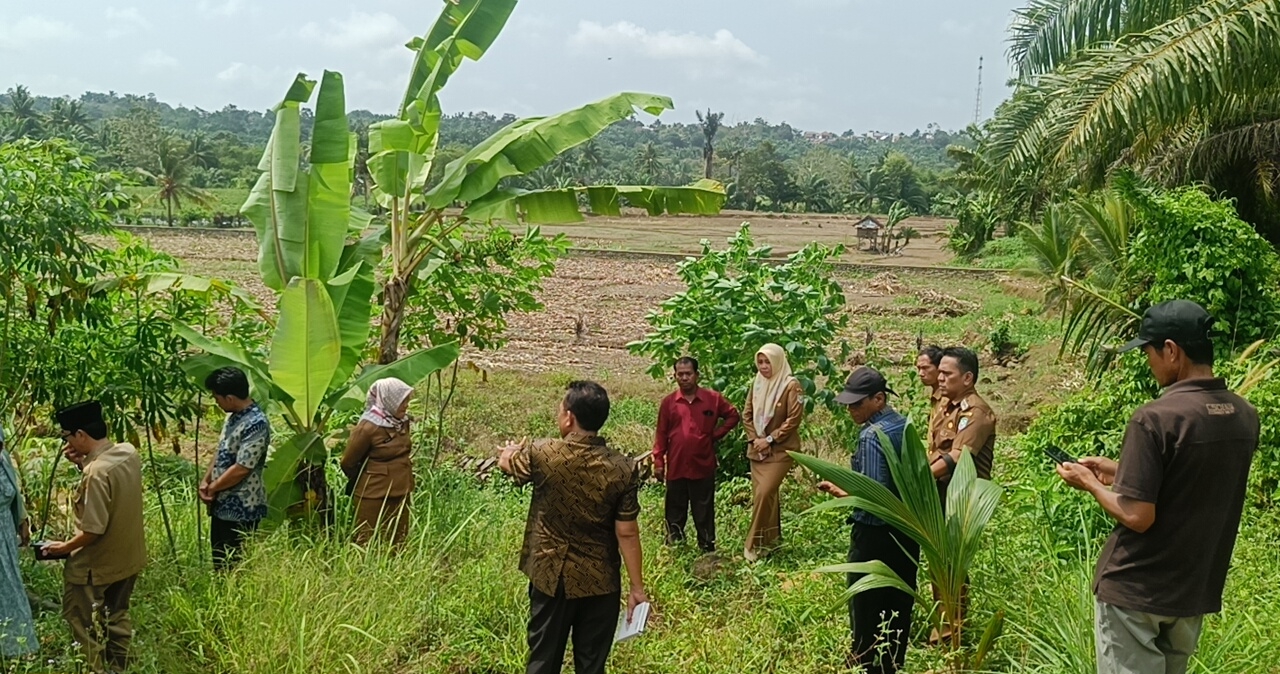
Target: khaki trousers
x,y
99,620
766,508
385,518
1133,642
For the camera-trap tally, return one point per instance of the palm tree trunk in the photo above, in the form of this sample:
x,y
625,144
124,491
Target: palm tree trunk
x,y
709,154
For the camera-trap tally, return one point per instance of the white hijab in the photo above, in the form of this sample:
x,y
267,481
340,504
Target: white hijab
x,y
766,392
385,398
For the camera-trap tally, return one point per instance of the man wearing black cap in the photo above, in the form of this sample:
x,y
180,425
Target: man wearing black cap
x,y
109,548
1176,495
876,650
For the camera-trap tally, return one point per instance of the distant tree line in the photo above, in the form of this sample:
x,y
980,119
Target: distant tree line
x,y
183,152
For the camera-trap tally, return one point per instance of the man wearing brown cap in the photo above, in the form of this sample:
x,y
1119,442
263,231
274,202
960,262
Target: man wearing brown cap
x,y
879,619
1176,495
108,550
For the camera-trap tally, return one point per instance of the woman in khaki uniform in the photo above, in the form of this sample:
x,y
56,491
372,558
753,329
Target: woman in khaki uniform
x,y
773,413
378,462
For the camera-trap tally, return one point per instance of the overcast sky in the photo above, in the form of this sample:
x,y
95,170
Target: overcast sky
x,y
887,65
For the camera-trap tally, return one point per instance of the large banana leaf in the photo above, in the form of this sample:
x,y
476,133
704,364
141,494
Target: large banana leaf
x,y
411,369
302,224
351,292
278,476
554,206
200,366
401,150
305,350
528,144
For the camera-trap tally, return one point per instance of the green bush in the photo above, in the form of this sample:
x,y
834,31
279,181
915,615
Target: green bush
x,y
738,301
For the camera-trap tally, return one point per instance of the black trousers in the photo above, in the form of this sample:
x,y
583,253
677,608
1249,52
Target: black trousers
x,y
881,619
227,537
591,621
696,495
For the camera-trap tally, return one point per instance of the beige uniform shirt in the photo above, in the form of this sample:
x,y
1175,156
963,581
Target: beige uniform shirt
x,y
109,503
968,423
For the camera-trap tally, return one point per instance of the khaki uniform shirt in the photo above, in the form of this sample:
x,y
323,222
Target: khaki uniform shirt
x,y
379,460
581,488
109,503
937,405
967,423
784,426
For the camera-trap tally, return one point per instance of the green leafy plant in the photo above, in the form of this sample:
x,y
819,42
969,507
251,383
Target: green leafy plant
x,y
738,300
403,151
303,216
949,543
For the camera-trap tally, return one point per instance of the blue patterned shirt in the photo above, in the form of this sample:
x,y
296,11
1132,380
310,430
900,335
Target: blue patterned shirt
x,y
869,458
244,441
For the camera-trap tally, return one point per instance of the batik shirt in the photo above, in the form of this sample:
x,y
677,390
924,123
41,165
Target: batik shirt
x,y
245,438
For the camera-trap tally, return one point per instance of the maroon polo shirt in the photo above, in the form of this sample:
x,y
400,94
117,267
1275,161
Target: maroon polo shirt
x,y
688,431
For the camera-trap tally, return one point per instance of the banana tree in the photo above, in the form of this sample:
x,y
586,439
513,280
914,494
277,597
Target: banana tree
x,y
324,284
402,152
948,542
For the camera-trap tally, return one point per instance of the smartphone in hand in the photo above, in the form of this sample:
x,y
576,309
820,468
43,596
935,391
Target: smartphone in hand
x,y
1058,456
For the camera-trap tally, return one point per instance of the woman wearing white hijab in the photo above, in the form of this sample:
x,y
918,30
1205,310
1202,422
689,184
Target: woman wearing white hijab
x,y
773,413
378,463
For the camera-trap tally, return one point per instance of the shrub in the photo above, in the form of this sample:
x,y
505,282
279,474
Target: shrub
x,y
738,301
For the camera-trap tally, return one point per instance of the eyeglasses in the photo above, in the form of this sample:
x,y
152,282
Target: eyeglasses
x,y
67,435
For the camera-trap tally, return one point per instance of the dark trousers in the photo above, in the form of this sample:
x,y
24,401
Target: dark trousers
x,y
696,495
881,619
227,537
592,622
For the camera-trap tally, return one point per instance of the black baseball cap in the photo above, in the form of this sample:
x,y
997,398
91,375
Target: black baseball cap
x,y
1181,321
862,383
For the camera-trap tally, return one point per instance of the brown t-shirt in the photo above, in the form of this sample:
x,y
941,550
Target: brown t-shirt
x,y
1188,452
581,488
109,503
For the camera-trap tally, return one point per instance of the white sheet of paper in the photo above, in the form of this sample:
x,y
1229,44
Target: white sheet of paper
x,y
633,628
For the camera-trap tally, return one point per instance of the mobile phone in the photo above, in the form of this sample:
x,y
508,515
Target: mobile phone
x,y
38,546
1054,452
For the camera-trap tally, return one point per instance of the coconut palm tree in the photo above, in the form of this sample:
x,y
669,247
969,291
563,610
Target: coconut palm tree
x,y
710,126
24,120
1180,90
67,119
649,162
172,171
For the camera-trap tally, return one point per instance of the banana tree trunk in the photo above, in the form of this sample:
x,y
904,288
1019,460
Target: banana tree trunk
x,y
395,299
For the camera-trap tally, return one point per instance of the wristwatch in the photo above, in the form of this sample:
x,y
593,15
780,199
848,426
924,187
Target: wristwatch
x,y
769,440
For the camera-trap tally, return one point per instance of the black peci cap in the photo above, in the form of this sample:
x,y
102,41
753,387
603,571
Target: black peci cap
x,y
1181,321
862,383
79,416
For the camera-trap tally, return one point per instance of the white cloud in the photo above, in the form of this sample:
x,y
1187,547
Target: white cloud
x,y
158,60
357,30
255,77
33,30
665,45
227,8
121,22
957,29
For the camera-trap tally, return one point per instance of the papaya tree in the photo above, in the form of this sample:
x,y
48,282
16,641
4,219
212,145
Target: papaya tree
x,y
318,254
403,150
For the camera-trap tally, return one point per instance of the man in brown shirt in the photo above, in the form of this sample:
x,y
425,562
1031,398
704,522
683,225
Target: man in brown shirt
x,y
581,527
1176,494
109,549
927,362
963,421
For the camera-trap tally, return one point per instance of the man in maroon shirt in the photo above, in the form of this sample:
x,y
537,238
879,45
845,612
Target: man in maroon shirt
x,y
684,453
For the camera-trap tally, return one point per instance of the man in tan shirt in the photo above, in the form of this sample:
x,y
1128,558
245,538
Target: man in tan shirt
x,y
109,549
581,528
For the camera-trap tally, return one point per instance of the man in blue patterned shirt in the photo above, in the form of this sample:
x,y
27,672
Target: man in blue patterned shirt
x,y
233,486
879,619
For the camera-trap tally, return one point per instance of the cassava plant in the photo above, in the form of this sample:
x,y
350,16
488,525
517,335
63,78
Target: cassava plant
x,y
402,152
738,300
949,542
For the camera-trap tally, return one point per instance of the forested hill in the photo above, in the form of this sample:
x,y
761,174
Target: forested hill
x,y
769,166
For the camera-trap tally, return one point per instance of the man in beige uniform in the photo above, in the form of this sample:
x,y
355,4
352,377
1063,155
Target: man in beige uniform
x,y
109,548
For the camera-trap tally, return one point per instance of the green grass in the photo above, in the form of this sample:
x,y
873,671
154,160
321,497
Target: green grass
x,y
454,601
226,201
